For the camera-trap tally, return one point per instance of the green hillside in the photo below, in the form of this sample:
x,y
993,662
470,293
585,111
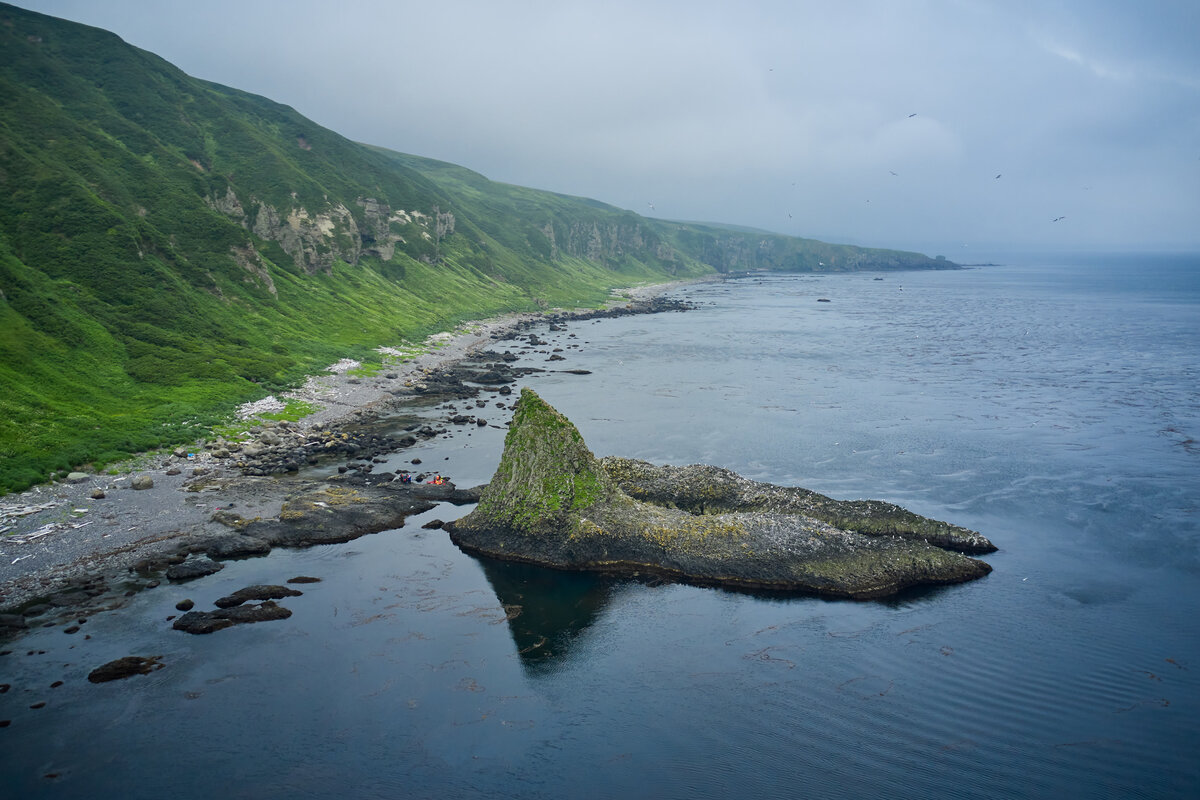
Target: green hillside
x,y
170,248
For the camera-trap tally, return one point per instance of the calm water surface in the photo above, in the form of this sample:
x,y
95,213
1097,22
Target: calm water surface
x,y
1052,405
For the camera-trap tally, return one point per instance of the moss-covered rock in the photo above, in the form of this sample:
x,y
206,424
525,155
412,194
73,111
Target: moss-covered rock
x,y
551,502
547,472
703,489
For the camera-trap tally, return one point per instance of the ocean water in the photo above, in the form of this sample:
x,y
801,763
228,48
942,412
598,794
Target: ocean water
x,y
1052,404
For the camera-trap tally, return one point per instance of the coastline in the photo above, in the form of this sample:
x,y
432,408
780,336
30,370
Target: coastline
x,y
73,544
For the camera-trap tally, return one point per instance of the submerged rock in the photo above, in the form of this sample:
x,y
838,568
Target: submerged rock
x,y
552,502
124,668
200,622
256,592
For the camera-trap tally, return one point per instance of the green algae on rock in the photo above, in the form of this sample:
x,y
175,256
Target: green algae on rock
x,y
552,502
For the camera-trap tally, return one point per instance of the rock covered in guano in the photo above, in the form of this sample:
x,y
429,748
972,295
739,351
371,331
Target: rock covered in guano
x,y
552,502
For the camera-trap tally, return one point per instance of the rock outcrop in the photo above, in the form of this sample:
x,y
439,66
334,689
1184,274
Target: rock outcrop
x,y
552,502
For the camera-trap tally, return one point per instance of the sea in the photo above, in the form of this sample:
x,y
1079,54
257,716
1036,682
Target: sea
x,y
1051,402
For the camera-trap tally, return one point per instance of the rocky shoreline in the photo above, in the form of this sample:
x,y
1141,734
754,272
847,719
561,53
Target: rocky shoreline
x,y
72,548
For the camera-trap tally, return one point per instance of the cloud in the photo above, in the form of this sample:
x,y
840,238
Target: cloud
x,y
744,113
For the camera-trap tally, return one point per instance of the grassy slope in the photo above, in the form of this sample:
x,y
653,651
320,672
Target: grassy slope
x,y
126,322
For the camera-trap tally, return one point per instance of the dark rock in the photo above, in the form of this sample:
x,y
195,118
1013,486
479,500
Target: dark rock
x,y
12,622
124,668
340,513
303,579
193,568
200,622
185,605
256,592
69,598
433,525
241,546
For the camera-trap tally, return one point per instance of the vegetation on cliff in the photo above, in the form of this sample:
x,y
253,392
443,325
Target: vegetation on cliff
x,y
170,248
551,502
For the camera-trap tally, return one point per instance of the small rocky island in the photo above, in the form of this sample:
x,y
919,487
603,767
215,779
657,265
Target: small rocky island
x,y
552,502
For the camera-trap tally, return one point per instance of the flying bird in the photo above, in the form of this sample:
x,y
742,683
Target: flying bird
x,y
891,171
997,177
651,205
910,116
1056,219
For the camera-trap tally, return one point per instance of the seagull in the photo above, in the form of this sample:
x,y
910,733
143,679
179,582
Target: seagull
x,y
891,171
910,116
651,205
997,177
1056,219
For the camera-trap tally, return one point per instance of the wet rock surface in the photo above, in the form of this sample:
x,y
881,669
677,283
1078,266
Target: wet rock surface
x,y
201,622
124,668
551,502
256,592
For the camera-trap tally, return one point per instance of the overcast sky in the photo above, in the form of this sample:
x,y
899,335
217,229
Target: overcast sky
x,y
876,122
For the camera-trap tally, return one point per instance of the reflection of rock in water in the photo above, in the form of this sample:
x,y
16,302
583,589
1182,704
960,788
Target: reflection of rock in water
x,y
554,607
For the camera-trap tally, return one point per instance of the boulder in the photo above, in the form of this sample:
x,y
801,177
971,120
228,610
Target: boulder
x,y
256,592
77,477
193,568
124,668
551,502
200,622
142,482
239,546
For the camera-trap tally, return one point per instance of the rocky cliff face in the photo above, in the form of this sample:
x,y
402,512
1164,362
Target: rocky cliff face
x,y
551,502
607,242
315,238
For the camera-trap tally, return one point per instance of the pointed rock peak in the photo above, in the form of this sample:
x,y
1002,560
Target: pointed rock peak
x,y
546,472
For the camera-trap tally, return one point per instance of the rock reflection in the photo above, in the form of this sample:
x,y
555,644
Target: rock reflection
x,y
547,610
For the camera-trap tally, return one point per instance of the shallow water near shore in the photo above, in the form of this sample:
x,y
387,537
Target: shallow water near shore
x,y
1052,405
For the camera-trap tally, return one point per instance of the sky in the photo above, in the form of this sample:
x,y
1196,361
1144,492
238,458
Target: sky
x,y
955,127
